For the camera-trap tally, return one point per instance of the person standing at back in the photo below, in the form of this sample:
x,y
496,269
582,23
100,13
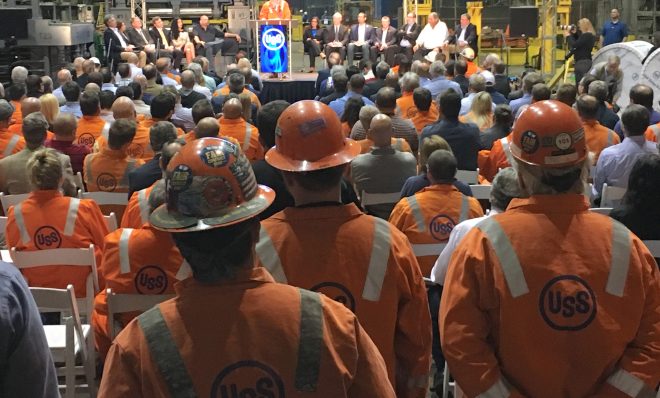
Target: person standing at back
x,y
614,30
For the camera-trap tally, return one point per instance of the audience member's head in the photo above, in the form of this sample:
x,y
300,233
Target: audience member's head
x,y
236,83
35,127
150,72
267,121
162,65
47,84
106,73
635,120
88,66
232,109
380,131
530,80
207,127
357,83
505,188
50,107
124,71
161,133
503,115
566,93
71,91
197,70
449,104
366,114
409,82
392,81
34,85
437,69
16,92
96,78
427,147
598,89
499,68
6,111
92,88
187,80
64,127
585,83
386,100
382,69
19,74
106,98
123,108
352,110
352,70
641,94
90,104
30,105
162,106
587,107
460,68
125,91
441,167
450,68
45,170
121,134
643,193
137,90
202,109
477,83
541,92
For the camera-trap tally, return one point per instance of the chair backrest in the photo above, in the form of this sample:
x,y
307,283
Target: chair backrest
x,y
3,224
11,200
468,176
602,210
654,247
111,222
107,198
611,196
79,181
368,199
60,300
123,303
481,192
428,249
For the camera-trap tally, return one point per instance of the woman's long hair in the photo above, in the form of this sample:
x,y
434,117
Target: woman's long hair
x,y
585,26
174,27
643,193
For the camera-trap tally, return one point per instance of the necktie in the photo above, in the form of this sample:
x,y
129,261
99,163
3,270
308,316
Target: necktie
x,y
143,38
163,38
337,33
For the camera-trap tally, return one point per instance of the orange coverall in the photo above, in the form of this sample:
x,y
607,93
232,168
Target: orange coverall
x,y
428,217
551,300
496,159
10,143
108,170
281,12
598,137
89,129
406,105
366,264
424,118
652,133
242,338
246,134
137,210
140,148
49,220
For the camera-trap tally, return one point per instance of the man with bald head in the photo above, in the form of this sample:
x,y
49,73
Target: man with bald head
x,y
92,88
212,40
384,169
139,147
188,94
207,127
367,113
233,125
64,128
63,76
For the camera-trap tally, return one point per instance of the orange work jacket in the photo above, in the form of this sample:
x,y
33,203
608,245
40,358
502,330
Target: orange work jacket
x,y
108,170
598,137
422,119
652,132
10,143
140,148
89,129
137,210
495,159
246,134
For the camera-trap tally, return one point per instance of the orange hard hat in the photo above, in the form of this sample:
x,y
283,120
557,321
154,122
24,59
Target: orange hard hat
x,y
549,134
210,184
309,137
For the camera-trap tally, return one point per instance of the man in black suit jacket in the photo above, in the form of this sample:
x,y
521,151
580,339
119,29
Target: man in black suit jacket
x,y
163,39
380,71
324,74
465,34
188,95
335,37
361,37
141,39
385,40
408,34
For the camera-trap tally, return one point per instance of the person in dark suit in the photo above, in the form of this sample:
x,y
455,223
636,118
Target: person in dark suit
x,y
460,68
407,35
465,35
117,45
322,79
188,95
385,40
336,37
162,136
501,79
313,41
380,71
340,80
361,37
141,39
164,45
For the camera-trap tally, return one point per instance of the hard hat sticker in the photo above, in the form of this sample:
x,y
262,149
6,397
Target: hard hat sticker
x,y
563,141
441,226
217,193
181,178
529,142
106,182
311,126
247,378
47,237
567,303
151,279
214,156
337,292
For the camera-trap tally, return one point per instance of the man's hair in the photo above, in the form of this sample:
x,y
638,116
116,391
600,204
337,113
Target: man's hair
x,y
89,104
71,91
505,188
88,66
450,68
35,126
202,109
442,166
641,94
65,125
107,74
450,104
386,98
422,99
499,68
188,79
106,98
587,107
477,83
530,80
137,90
366,114
357,82
460,67
409,82
162,64
552,181
364,64
541,92
503,115
33,83
149,71
428,146
236,82
125,91
382,69
124,70
340,82
172,91
19,74
318,180
154,20
566,93
267,121
18,90
160,134
45,169
122,132
107,18
599,90
96,77
635,120
352,70
162,105
437,69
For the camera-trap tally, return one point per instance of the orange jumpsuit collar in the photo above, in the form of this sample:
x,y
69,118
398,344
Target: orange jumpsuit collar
x,y
564,203
248,276
321,212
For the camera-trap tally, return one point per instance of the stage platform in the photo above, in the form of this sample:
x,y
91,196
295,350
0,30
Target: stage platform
x,y
299,88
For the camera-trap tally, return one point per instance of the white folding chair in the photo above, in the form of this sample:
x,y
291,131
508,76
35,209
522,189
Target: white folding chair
x,y
369,199
428,249
602,210
106,198
611,196
654,247
3,224
69,340
481,192
447,386
468,176
123,303
11,200
111,222
79,181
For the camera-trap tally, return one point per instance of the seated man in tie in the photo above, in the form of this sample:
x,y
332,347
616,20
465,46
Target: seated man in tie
x,y
163,38
141,39
384,42
361,36
407,35
210,40
275,9
432,38
336,37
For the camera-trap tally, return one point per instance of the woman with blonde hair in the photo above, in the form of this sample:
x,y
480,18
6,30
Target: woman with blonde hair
x,y
416,183
246,102
49,220
580,40
50,107
481,112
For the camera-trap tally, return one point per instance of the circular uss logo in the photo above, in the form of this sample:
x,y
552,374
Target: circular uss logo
x,y
337,292
567,303
150,280
46,238
441,226
106,182
247,379
135,151
273,39
86,139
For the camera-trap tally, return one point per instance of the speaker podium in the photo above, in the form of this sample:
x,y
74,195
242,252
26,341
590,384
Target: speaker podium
x,y
274,46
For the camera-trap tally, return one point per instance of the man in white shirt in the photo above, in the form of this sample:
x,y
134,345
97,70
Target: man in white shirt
x,y
361,36
432,38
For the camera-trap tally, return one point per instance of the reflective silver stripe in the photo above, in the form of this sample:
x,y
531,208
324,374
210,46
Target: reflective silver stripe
x,y
626,382
105,132
269,257
616,281
497,390
506,255
428,249
20,223
248,135
143,203
88,168
465,208
165,354
610,137
71,217
507,150
11,145
124,259
380,255
311,341
417,213
184,271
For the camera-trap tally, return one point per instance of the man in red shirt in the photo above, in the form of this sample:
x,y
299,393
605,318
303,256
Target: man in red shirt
x,y
64,127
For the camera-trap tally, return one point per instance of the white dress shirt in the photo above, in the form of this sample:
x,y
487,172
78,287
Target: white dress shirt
x,y
383,39
119,36
431,38
361,33
462,35
405,42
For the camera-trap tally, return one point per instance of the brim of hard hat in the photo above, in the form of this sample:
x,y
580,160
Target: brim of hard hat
x,y
351,150
557,165
165,220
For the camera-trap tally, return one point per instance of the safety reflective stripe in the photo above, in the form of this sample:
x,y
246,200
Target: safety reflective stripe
x,y
130,166
610,137
311,341
11,145
417,213
106,131
248,136
71,217
497,390
165,354
616,281
184,271
507,150
380,255
88,168
124,259
465,208
626,382
269,257
506,255
20,223
143,203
